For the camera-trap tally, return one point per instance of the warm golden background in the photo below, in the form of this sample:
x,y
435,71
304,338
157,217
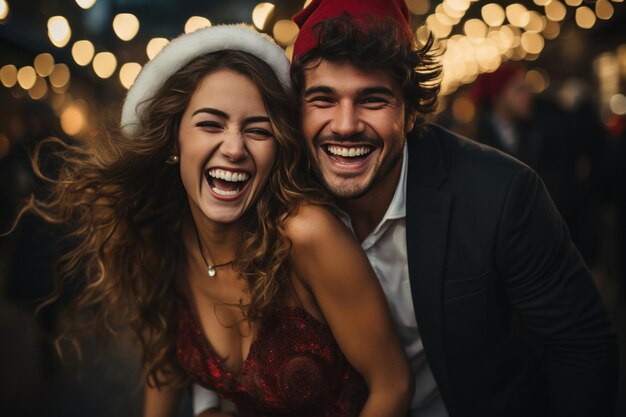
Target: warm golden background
x,y
65,66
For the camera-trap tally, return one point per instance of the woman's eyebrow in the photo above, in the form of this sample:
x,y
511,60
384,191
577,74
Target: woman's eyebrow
x,y
212,111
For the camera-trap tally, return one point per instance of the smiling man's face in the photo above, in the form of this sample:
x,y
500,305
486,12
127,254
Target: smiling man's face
x,y
355,125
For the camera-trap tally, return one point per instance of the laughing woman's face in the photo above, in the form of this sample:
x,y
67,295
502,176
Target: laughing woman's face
x,y
227,146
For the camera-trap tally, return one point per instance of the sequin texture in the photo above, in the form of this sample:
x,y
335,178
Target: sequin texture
x,y
294,368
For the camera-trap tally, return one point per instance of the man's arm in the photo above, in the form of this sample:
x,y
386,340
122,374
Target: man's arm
x,y
549,285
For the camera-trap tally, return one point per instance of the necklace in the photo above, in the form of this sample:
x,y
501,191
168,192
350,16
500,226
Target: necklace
x,y
210,269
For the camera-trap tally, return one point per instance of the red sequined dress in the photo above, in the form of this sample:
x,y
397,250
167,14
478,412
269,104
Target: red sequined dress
x,y
294,368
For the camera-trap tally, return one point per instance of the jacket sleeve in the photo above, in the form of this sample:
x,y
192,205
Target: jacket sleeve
x,y
550,287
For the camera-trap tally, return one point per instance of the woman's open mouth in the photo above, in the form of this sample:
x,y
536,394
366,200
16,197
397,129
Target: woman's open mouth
x,y
227,184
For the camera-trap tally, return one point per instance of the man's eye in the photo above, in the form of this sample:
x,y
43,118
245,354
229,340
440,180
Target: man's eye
x,y
374,101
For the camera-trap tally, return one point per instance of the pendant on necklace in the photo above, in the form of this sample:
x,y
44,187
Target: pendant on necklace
x,y
211,271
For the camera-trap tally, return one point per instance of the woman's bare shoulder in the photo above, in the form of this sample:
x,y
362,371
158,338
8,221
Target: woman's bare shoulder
x,y
312,224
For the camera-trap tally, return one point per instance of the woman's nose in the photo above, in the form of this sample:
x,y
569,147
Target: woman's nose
x,y
233,147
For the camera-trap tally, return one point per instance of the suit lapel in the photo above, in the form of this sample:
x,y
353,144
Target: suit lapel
x,y
428,214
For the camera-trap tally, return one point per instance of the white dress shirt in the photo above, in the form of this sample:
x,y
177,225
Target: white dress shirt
x,y
386,250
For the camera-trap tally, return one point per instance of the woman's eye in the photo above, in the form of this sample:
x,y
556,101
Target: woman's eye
x,y
209,125
259,133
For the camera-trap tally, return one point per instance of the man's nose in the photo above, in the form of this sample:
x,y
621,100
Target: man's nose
x,y
233,147
346,120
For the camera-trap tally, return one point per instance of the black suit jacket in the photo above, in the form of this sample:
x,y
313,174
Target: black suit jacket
x,y
511,320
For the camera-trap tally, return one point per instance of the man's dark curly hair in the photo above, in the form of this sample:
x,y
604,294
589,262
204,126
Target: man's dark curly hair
x,y
378,44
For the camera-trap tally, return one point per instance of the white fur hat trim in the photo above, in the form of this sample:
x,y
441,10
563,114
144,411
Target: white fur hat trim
x,y
182,50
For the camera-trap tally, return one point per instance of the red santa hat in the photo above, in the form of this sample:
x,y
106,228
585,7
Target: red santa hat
x,y
359,10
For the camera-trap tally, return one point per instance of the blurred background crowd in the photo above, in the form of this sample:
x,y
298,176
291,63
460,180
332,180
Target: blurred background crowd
x,y
542,80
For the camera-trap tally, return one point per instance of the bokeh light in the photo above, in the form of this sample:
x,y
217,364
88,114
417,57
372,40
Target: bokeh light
x,y
72,120
125,26
104,64
59,31
418,7
555,11
85,4
83,52
458,5
285,31
39,90
517,15
155,46
438,29
447,15
196,22
573,3
493,14
289,52
536,22
604,9
585,17
617,103
537,80
4,9
260,14
552,30
60,76
26,77
475,28
8,75
128,74
532,43
44,63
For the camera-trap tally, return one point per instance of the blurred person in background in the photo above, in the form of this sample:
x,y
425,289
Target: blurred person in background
x,y
507,110
558,137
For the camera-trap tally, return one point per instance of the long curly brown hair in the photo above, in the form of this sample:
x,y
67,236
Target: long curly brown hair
x,y
125,209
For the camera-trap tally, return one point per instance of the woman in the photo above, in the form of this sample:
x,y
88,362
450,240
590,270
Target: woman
x,y
223,259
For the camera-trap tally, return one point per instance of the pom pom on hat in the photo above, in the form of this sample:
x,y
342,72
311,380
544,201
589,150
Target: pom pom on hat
x,y
320,10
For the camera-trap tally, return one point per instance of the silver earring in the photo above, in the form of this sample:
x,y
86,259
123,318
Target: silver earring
x,y
171,160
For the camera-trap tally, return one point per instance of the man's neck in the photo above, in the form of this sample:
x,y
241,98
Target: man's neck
x,y
367,211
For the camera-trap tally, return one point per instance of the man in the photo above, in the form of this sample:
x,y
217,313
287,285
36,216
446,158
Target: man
x,y
497,311
505,124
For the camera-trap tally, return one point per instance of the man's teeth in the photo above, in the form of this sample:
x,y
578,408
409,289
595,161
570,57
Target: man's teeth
x,y
229,175
349,152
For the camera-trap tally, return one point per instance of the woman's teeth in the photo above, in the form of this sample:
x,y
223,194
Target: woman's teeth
x,y
227,183
348,152
229,175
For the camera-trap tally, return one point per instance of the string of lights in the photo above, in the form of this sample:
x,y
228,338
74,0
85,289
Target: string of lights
x,y
474,42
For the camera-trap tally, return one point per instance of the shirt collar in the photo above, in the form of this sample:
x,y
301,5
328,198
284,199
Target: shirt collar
x,y
397,207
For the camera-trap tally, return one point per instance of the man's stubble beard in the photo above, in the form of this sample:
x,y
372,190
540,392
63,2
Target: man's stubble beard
x,y
340,193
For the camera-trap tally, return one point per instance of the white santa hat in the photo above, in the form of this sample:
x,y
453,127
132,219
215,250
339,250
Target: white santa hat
x,y
184,49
